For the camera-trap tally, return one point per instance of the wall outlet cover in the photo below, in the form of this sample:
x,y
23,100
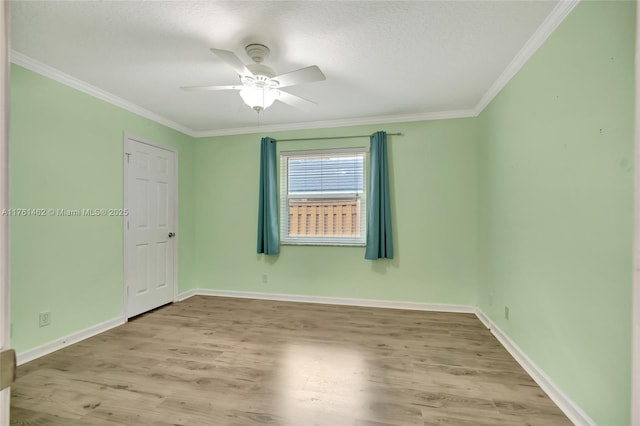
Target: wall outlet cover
x,y
44,319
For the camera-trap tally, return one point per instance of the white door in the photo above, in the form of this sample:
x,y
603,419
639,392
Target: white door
x,y
150,226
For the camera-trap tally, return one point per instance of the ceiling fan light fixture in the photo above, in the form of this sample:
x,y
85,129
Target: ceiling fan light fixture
x,y
259,98
260,83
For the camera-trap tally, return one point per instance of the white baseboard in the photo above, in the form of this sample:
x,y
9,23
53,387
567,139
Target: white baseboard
x,y
483,318
47,348
562,400
566,404
186,294
370,303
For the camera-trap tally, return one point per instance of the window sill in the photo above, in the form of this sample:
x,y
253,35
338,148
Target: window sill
x,y
316,244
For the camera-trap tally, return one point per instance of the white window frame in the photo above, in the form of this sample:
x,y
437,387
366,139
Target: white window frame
x,y
285,239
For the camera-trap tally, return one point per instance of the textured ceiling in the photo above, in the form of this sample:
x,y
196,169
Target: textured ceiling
x,y
382,59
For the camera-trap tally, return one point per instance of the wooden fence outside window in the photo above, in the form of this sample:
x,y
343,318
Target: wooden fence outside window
x,y
327,218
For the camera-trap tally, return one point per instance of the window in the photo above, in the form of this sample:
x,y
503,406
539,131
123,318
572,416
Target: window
x,y
322,197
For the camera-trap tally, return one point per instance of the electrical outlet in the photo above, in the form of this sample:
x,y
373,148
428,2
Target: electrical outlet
x,y
45,318
506,312
265,278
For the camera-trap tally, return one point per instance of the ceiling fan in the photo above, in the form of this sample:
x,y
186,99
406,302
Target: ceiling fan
x,y
260,85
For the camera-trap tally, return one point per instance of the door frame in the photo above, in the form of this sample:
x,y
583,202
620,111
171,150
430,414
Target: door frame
x,y
126,205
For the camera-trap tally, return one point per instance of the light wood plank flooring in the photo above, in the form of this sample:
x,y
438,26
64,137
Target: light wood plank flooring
x,y
223,361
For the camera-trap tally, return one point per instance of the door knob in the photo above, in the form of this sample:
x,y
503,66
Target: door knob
x,y
172,234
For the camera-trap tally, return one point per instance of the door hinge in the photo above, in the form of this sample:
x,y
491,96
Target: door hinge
x,y
128,154
7,368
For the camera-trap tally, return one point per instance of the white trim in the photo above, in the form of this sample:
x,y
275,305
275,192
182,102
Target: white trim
x,y
285,197
126,203
635,359
562,9
63,342
68,80
370,303
568,407
328,124
483,318
548,26
186,294
562,400
134,137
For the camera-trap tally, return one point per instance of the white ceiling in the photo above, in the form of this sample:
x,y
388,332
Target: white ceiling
x,y
384,60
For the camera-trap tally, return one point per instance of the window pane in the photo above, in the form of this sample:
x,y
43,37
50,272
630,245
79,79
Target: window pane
x,y
326,174
322,197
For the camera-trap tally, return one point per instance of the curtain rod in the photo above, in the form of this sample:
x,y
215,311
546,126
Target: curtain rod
x,y
334,137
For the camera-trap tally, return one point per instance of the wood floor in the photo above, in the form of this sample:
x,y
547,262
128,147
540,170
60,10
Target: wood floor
x,y
223,361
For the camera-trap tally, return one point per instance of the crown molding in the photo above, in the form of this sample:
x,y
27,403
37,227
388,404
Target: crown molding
x,y
548,26
61,77
363,121
559,13
68,80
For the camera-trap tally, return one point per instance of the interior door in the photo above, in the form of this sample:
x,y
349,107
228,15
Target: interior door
x,y
150,225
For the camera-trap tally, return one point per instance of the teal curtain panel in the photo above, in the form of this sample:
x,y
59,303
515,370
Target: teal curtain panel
x,y
268,235
379,235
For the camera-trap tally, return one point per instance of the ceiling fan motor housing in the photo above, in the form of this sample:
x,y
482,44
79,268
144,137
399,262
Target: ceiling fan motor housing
x,y
259,80
262,73
257,52
261,69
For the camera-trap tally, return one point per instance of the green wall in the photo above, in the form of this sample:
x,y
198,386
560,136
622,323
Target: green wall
x,y
434,198
66,152
529,206
556,210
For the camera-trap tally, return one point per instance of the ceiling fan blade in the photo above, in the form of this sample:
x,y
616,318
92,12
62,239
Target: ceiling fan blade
x,y
303,75
210,88
295,101
232,60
